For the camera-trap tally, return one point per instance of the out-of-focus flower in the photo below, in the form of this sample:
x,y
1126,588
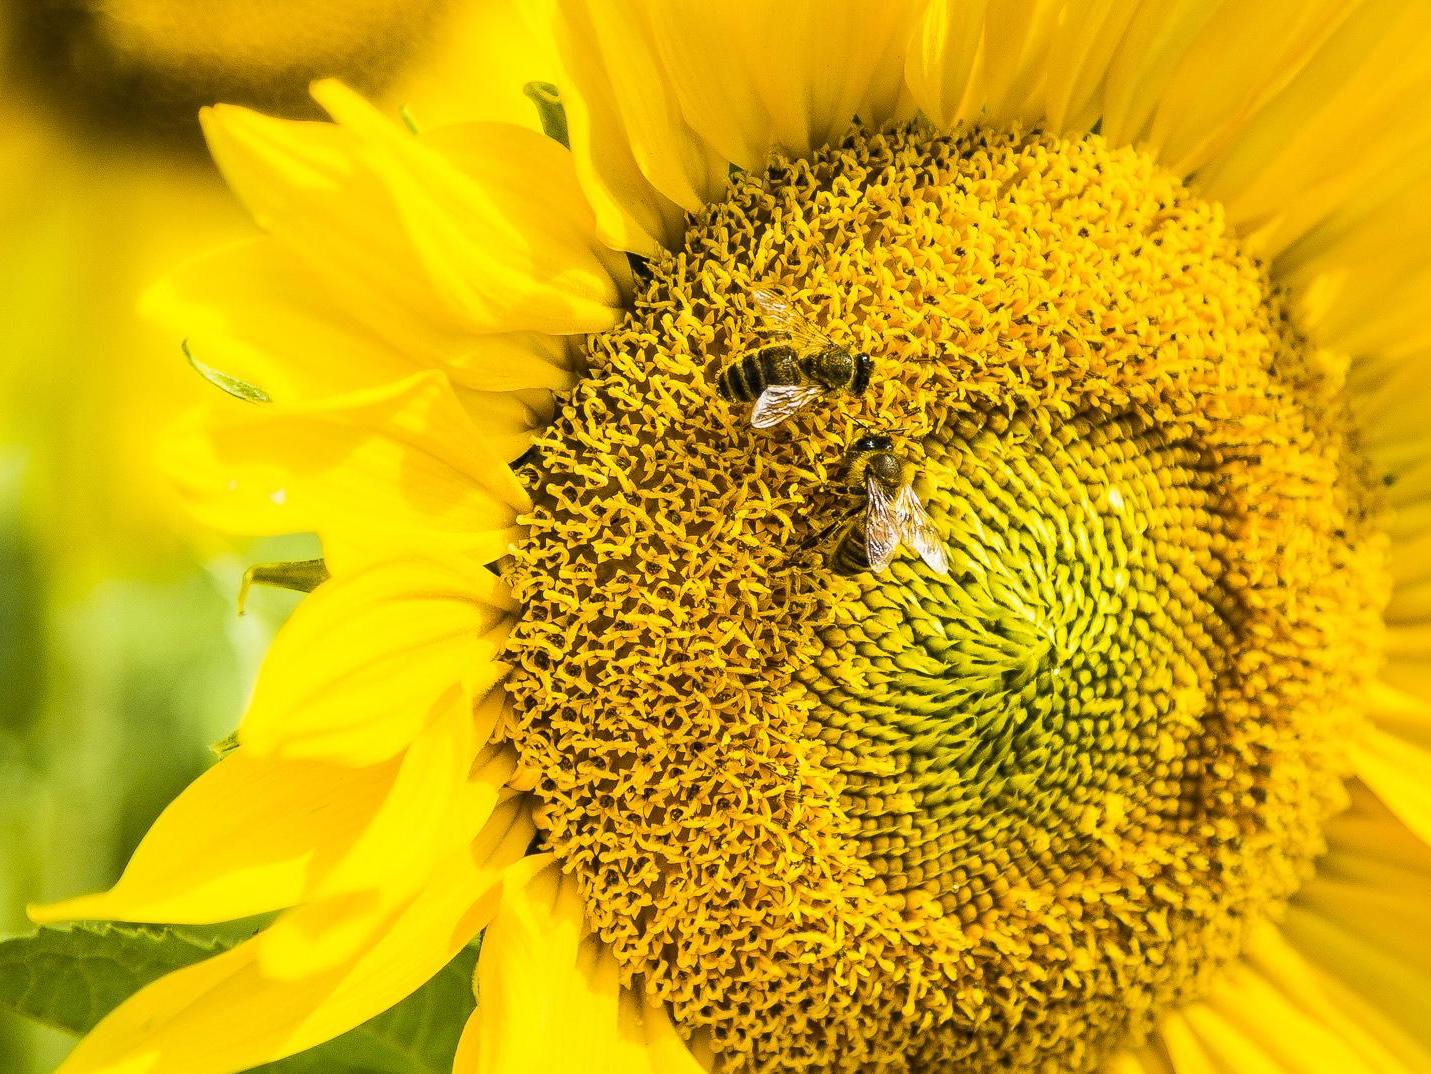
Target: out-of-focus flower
x,y
103,181
117,644
583,676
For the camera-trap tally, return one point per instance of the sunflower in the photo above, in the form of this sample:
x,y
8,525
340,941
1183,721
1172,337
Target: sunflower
x,y
1136,784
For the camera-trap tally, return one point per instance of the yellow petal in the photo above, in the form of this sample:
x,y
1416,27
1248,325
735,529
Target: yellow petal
x,y
396,854
942,54
1390,395
1355,949
476,64
639,163
1153,45
1394,757
224,1015
1325,137
1184,1049
257,312
1208,1041
1042,60
791,75
367,660
246,837
1344,984
510,420
665,94
400,466
403,233
1239,60
549,995
1150,1059
1275,1001
1368,258
982,62
495,215
1080,49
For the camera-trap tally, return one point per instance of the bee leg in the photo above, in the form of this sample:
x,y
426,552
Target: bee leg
x,y
823,535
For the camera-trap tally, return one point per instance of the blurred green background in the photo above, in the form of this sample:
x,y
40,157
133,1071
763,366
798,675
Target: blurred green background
x,y
108,701
122,658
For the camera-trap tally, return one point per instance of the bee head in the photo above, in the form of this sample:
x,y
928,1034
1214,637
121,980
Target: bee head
x,y
871,442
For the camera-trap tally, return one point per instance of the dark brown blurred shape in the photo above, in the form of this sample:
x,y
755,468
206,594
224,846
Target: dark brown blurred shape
x,y
141,69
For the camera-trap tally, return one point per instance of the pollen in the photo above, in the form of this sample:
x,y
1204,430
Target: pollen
x,y
995,820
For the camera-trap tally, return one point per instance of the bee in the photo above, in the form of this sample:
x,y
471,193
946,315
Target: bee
x,y
892,513
783,377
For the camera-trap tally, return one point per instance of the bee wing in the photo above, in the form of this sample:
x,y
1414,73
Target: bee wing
x,y
780,401
881,526
779,316
917,530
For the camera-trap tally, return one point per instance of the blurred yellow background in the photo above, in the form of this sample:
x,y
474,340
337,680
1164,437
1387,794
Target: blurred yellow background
x,y
121,655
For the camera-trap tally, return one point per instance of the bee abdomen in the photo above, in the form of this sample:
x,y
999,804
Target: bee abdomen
x,y
741,380
747,378
851,557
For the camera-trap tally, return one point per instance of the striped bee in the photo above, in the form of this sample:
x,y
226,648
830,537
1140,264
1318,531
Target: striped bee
x,y
891,514
783,377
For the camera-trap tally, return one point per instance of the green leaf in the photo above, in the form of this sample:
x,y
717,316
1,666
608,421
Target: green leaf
x,y
71,977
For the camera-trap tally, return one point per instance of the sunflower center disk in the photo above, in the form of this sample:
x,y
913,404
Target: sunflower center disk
x,y
992,821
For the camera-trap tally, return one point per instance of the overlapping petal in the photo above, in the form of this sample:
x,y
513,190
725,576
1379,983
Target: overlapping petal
x,y
1360,277
1036,60
1361,933
256,833
405,232
1394,757
1322,146
1149,1060
396,467
495,217
786,75
1343,984
1391,402
248,836
227,1014
1238,60
398,641
640,163
256,312
1279,113
549,994
395,857
666,95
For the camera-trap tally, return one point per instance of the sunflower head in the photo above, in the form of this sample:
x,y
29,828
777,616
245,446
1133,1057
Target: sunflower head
x,y
728,790
1008,814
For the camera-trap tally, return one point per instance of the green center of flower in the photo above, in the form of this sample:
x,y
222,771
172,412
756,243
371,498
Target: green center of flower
x,y
995,820
1049,698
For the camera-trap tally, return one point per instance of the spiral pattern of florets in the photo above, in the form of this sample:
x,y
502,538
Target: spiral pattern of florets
x,y
992,821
